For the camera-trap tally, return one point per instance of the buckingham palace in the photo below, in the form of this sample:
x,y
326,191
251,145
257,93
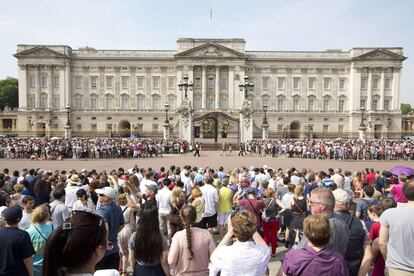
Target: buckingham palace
x,y
293,94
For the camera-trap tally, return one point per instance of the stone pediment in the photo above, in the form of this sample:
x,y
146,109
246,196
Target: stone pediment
x,y
380,54
211,50
39,51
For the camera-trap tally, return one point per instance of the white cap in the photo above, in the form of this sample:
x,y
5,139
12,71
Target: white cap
x,y
106,191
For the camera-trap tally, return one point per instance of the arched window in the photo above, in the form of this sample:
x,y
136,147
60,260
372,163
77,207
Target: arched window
x,y
171,102
140,102
124,102
156,102
311,103
280,103
326,103
109,102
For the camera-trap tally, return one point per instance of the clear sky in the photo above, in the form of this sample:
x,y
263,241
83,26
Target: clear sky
x,y
283,25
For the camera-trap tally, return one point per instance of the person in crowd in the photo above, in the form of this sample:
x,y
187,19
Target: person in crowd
x,y
357,184
28,203
125,234
255,206
16,250
17,197
73,185
58,209
77,246
177,201
83,203
199,204
298,206
225,204
395,236
363,203
190,248
397,190
249,255
114,221
164,209
322,201
358,255
374,213
211,199
148,249
270,218
39,232
316,258
42,190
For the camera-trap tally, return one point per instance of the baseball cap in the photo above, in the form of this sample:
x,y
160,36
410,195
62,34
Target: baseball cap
x,y
340,195
106,191
12,215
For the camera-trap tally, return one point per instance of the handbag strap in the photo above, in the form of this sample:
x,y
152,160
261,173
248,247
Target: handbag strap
x,y
257,213
40,233
297,206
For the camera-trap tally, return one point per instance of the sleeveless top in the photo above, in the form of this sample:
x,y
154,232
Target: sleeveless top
x,y
299,206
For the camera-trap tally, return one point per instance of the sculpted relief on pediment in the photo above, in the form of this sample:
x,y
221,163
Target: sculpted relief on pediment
x,y
210,50
380,54
39,51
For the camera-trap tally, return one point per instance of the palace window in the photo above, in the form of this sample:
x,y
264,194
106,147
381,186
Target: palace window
x,y
224,103
374,105
325,104
197,83
265,83
140,82
109,81
43,101
140,102
125,82
155,82
156,103
295,105
280,104
387,83
280,83
210,102
362,102
32,102
224,82
311,83
93,103
325,128
341,84
31,82
327,83
124,103
94,82
387,104
296,83
44,81
55,82
171,102
78,82
311,104
171,83
210,82
109,102
363,83
341,104
375,83
340,128
78,103
55,102
197,102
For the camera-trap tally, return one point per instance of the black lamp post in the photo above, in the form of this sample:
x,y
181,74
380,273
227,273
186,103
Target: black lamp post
x,y
166,113
362,117
246,86
185,85
68,115
265,123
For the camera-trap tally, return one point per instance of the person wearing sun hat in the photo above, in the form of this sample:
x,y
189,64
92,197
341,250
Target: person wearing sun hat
x,y
114,220
16,250
73,185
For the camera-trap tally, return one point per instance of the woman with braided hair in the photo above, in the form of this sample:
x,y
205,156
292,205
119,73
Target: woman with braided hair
x,y
190,248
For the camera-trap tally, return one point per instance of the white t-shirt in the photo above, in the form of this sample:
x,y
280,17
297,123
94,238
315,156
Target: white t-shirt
x,y
144,184
26,220
60,213
251,257
163,201
210,196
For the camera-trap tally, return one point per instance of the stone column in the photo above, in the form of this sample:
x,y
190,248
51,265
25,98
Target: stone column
x,y
62,88
217,89
166,131
382,92
38,84
132,86
163,85
354,88
148,87
117,88
101,88
190,93
23,87
265,132
246,122
50,87
68,86
396,89
204,88
231,87
369,91
362,132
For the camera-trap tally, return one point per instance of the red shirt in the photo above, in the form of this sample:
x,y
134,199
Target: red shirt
x,y
379,264
370,178
255,206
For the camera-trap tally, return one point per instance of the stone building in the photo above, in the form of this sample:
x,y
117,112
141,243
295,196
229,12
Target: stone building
x,y
123,92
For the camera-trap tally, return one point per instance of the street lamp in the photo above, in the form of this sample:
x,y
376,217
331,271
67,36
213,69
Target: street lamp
x,y
362,117
185,85
166,105
265,123
246,87
68,115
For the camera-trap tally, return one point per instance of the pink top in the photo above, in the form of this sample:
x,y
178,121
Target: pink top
x,y
202,245
397,192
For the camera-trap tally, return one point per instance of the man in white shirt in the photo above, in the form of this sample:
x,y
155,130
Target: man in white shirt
x,y
164,209
59,211
338,178
210,196
146,182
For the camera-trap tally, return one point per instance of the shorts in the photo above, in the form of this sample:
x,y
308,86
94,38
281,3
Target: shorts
x,y
209,222
223,217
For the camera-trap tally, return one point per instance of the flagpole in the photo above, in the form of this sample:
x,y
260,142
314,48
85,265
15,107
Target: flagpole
x,y
211,21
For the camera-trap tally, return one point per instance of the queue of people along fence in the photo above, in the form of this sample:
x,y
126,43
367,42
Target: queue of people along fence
x,y
205,221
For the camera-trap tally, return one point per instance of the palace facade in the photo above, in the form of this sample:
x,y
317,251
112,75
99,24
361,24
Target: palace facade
x,y
123,92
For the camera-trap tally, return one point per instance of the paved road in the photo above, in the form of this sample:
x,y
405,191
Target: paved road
x,y
210,158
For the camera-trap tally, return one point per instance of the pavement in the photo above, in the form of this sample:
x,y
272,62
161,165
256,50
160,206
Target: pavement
x,y
208,158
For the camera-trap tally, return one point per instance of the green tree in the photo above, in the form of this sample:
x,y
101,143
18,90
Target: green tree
x,y
9,93
406,108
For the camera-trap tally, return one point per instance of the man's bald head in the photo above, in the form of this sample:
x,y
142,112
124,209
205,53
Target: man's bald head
x,y
325,197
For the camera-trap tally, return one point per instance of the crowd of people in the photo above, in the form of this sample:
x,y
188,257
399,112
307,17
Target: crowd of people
x,y
205,221
80,148
337,149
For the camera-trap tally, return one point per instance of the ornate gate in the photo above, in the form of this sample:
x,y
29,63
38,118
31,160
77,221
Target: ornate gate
x,y
216,127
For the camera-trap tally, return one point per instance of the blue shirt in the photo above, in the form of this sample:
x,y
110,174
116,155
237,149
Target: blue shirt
x,y
38,234
113,215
